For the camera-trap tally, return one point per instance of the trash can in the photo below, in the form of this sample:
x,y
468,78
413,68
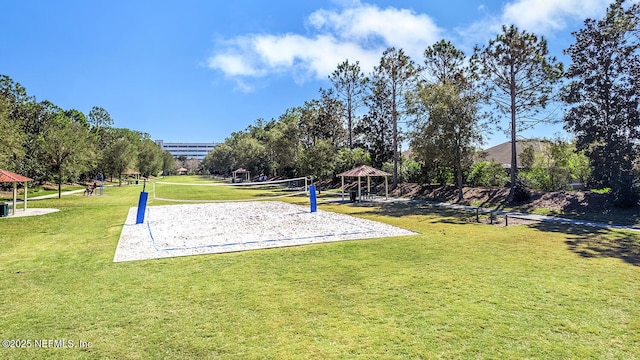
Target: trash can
x,y
352,196
4,209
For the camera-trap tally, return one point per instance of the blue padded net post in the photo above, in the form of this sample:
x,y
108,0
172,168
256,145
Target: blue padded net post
x,y
142,206
312,198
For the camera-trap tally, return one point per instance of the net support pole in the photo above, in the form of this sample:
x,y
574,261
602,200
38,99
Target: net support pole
x,y
306,185
312,198
142,207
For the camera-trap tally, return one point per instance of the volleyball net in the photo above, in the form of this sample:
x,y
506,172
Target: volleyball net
x,y
224,191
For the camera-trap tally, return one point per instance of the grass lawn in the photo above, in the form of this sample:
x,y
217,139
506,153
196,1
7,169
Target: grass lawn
x,y
458,290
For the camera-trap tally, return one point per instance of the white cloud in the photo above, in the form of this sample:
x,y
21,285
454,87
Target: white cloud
x,y
359,32
544,16
541,17
401,28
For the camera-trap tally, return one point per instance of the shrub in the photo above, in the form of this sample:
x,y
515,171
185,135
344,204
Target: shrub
x,y
520,191
487,173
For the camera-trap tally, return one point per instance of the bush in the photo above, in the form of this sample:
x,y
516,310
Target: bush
x,y
408,170
348,159
487,173
520,191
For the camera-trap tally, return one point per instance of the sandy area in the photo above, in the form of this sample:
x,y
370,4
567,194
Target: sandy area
x,y
182,230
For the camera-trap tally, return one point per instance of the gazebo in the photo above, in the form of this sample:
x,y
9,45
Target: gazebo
x,y
8,176
133,173
182,171
246,174
368,172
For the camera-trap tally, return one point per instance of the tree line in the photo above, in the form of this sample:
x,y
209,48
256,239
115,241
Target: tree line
x,y
445,106
47,143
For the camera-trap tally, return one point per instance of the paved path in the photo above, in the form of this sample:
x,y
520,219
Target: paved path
x,y
53,196
525,216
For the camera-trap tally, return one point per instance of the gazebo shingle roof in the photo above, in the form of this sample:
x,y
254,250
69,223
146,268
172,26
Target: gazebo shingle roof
x,y
8,176
364,170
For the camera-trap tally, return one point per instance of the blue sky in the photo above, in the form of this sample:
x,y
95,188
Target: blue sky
x,y
197,70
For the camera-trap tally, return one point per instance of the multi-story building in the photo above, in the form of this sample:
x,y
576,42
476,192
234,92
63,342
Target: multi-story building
x,y
189,150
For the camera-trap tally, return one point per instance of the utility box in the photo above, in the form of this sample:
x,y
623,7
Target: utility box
x,y
4,209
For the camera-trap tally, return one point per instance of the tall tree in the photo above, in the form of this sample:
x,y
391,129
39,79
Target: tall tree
x,y
220,160
398,74
284,147
375,126
453,122
168,162
35,117
65,147
10,137
121,153
604,97
350,85
519,76
149,158
99,117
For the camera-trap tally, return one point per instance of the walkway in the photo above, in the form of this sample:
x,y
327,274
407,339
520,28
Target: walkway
x,y
525,216
513,214
55,195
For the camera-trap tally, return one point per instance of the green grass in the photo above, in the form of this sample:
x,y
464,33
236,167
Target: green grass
x,y
458,290
215,193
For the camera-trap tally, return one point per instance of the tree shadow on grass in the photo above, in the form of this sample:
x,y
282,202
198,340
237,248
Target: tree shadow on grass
x,y
591,242
586,241
438,213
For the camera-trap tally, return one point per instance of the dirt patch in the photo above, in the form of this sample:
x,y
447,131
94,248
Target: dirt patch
x,y
584,205
565,201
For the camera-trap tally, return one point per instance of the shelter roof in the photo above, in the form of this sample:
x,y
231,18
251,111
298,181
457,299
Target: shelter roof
x,y
131,172
364,170
8,176
502,153
241,170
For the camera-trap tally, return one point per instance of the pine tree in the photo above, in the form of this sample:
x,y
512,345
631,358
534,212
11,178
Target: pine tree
x,y
603,95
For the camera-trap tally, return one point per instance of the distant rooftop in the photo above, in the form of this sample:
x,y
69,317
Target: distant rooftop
x,y
502,153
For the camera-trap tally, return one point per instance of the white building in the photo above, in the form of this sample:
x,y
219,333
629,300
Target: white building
x,y
189,150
